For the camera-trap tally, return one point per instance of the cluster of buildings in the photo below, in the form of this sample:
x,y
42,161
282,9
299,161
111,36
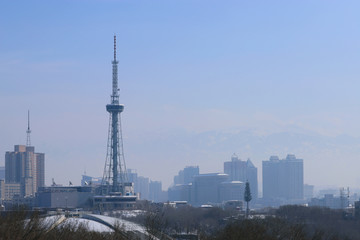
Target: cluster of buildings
x,y
23,180
283,183
214,188
147,188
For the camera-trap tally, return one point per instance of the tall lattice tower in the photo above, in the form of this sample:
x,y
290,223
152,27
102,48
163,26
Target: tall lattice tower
x,y
114,177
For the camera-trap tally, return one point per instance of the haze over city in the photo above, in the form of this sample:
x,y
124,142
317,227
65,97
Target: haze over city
x,y
200,80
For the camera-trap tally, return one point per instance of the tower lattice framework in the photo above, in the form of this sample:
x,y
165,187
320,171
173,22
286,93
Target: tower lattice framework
x,y
114,177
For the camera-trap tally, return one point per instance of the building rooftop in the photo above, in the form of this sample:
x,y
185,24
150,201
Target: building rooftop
x,y
211,175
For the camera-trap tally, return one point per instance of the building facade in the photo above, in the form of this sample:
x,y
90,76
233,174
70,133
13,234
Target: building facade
x,y
155,191
243,171
142,187
189,173
186,175
26,168
2,173
283,179
180,192
206,188
64,197
231,191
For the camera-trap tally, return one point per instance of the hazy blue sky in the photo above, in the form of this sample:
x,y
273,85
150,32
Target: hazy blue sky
x,y
193,76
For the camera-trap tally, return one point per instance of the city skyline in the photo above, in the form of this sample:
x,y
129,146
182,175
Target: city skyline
x,y
201,80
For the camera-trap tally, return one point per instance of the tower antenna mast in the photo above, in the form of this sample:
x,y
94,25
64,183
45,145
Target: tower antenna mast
x,y
28,131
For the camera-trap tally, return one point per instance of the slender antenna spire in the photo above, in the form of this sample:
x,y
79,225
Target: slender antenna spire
x,y
28,131
115,48
115,89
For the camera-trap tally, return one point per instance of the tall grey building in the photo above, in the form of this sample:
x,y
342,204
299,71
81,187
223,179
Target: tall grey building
x,y
25,167
133,177
179,179
142,186
2,173
180,192
186,175
205,189
210,188
155,191
243,171
283,179
189,173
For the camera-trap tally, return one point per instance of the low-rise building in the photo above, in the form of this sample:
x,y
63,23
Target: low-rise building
x,y
330,201
65,197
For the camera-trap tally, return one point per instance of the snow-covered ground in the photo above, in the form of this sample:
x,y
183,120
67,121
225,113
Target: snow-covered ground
x,y
61,220
126,225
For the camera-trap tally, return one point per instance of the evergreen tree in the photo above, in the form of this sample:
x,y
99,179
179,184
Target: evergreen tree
x,y
247,197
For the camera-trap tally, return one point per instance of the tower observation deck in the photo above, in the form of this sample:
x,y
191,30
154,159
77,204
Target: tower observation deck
x,y
115,177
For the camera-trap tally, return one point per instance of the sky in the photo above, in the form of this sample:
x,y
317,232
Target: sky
x,y
200,80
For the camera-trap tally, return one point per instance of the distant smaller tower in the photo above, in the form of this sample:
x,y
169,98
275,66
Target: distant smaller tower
x,y
28,131
24,169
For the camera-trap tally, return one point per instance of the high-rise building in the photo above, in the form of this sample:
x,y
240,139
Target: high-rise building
x,y
283,179
142,186
2,173
155,191
132,177
179,179
25,167
199,189
231,191
270,173
189,173
243,171
39,170
180,192
206,188
186,175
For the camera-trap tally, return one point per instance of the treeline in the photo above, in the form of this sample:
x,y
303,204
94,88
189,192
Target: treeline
x,y
294,222
287,222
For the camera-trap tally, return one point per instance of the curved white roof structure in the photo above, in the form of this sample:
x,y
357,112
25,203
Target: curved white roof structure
x,y
97,223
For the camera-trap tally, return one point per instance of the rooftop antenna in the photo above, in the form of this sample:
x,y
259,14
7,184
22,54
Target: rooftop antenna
x,y
28,131
53,182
